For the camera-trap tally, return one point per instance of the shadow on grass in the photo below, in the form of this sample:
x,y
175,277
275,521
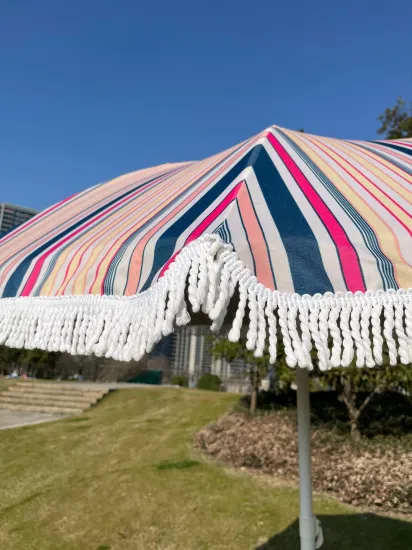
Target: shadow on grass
x,y
182,465
350,532
25,500
79,428
78,419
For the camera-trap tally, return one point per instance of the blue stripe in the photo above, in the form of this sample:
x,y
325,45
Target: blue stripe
x,y
305,261
223,231
396,147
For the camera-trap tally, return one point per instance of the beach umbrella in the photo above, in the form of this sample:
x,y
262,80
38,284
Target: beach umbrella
x,y
310,236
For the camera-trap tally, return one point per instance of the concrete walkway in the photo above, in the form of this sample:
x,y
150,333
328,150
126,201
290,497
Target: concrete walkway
x,y
16,419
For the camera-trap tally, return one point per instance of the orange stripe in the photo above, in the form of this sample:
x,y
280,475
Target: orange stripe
x,y
256,239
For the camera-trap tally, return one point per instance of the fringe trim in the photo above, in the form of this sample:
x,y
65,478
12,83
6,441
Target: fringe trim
x,y
339,326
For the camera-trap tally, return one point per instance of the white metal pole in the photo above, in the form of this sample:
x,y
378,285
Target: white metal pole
x,y
192,356
201,352
177,352
307,522
186,347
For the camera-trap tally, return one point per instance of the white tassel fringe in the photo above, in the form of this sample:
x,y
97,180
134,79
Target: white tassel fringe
x,y
340,326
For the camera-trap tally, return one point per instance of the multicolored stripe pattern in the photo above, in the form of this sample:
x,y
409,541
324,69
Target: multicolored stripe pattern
x,y
306,214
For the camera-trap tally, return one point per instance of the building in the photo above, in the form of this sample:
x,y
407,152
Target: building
x,y
188,352
12,216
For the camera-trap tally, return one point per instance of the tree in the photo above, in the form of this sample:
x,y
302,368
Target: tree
x,y
258,367
32,360
38,360
9,358
354,386
396,122
209,382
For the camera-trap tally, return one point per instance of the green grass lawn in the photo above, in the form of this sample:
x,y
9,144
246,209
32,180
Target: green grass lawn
x,y
124,476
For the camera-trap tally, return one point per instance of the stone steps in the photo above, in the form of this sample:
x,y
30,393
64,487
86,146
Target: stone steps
x,y
38,408
41,399
50,398
62,393
79,387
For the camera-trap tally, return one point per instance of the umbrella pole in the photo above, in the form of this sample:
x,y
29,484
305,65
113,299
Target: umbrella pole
x,y
192,357
309,527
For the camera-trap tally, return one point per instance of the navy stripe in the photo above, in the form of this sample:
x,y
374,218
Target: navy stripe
x,y
396,147
223,231
305,261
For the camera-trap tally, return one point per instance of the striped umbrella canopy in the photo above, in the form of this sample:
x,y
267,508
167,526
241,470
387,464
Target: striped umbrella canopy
x,y
312,235
314,232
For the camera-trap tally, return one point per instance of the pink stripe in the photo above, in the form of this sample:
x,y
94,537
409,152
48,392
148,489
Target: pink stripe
x,y
204,224
348,258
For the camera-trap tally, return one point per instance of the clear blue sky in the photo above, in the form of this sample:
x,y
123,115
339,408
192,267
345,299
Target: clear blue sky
x,y
92,89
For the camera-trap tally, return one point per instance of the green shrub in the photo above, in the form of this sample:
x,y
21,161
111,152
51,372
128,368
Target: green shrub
x,y
180,380
209,382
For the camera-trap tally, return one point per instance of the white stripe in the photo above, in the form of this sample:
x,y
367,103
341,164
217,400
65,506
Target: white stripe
x,y
277,251
326,245
368,261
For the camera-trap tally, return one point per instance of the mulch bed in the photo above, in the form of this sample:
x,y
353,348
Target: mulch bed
x,y
368,474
